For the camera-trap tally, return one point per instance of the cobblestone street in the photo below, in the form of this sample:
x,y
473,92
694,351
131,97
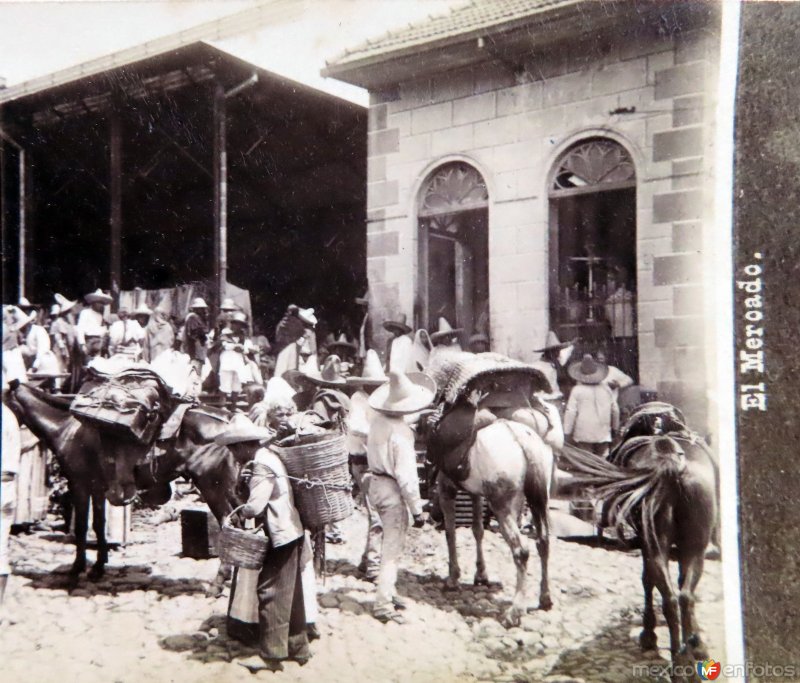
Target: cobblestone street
x,y
149,618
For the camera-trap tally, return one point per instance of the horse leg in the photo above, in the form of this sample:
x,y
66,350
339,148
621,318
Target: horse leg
x,y
80,502
647,638
447,501
669,601
507,518
220,507
99,526
481,579
691,571
542,526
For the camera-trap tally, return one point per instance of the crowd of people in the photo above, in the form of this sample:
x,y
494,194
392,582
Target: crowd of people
x,y
304,383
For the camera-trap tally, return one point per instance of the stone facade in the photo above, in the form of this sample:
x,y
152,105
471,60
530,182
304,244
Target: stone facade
x,y
512,128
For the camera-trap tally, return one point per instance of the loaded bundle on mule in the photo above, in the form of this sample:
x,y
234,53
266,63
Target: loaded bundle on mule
x,y
132,403
664,485
475,390
487,437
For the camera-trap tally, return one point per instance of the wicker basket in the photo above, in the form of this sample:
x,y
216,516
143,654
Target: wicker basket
x,y
325,494
245,548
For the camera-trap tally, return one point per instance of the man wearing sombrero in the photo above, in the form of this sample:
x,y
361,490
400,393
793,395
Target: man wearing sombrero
x,y
91,329
392,483
358,421
592,414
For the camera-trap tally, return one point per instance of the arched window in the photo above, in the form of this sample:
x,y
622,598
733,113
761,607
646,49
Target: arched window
x,y
593,250
454,249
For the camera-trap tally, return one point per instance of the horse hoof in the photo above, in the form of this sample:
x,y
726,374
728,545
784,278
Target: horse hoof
x,y
696,648
96,573
545,603
214,592
511,618
451,586
481,580
648,640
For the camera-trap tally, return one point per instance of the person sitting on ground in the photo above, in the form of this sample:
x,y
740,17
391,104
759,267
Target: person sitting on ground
x,y
392,483
282,619
592,415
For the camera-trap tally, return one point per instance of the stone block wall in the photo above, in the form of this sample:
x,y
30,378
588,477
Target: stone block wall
x,y
513,129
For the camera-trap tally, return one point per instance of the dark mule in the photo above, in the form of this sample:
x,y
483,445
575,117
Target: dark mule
x,y
97,465
666,490
192,454
507,463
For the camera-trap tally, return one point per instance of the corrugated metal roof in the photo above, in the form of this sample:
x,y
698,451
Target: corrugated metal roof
x,y
218,29
474,16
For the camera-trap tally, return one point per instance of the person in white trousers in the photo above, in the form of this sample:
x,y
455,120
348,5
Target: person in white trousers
x,y
9,464
392,482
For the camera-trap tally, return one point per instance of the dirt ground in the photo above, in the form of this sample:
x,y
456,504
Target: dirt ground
x,y
150,620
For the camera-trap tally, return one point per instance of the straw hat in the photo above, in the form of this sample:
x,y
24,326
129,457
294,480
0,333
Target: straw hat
x,y
228,305
239,317
343,344
445,331
98,296
552,343
64,303
55,310
372,374
587,370
307,316
399,326
143,309
329,376
310,367
198,303
241,429
24,303
24,318
403,393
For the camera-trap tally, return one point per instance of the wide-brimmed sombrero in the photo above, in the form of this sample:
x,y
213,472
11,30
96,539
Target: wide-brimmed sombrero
x,y
240,430
588,370
98,296
330,375
403,393
307,316
198,302
228,305
446,331
372,375
399,326
64,303
143,309
341,345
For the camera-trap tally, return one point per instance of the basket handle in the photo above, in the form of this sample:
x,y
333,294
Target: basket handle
x,y
227,520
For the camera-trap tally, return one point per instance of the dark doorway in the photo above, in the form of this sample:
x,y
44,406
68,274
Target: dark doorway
x,y
593,252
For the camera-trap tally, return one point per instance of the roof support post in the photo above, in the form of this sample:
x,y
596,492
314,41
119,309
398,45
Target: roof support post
x,y
220,196
22,210
115,191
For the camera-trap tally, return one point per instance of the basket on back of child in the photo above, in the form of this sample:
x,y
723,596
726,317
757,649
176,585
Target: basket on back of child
x,y
318,465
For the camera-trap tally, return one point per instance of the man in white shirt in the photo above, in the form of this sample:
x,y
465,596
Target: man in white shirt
x,y
91,329
592,414
9,464
125,336
392,482
615,380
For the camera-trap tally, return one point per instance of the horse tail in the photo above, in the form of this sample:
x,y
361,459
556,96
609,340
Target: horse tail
x,y
538,473
634,496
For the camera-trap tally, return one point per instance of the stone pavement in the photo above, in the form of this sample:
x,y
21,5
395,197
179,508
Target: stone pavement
x,y
149,618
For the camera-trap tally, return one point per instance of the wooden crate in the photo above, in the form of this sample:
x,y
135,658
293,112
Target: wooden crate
x,y
464,510
32,493
199,534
